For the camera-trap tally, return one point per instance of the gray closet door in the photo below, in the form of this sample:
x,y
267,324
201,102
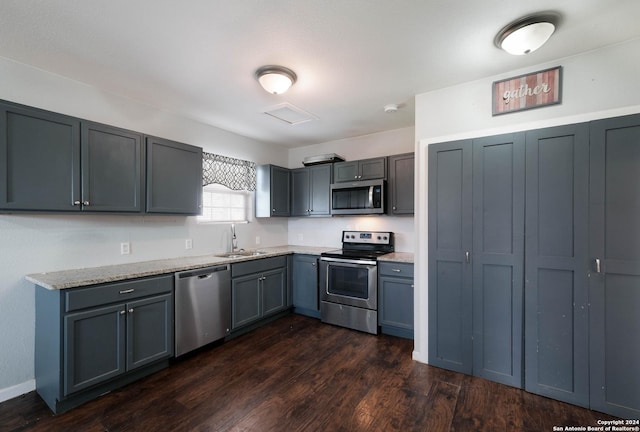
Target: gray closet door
x,y
556,266
498,257
450,237
614,288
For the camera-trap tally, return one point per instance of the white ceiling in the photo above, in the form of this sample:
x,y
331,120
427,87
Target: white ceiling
x,y
197,58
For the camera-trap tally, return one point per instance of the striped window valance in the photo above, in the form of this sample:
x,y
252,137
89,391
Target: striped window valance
x,y
236,174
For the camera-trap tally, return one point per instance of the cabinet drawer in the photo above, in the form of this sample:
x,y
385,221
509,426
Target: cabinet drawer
x,y
258,265
395,269
81,298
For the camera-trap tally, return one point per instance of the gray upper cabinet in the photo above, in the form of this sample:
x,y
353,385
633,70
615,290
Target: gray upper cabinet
x,y
174,177
273,190
614,283
401,184
311,191
112,169
39,160
365,169
556,282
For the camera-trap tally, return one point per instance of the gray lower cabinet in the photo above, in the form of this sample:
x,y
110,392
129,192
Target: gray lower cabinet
x,y
94,339
259,288
395,298
39,160
401,184
614,266
174,177
273,190
305,285
311,191
365,169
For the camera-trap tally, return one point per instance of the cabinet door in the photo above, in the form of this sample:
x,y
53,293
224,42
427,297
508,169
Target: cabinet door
x,y
396,303
94,347
305,285
370,169
614,288
401,183
556,283
174,177
245,300
450,233
112,167
149,330
274,291
300,199
320,190
345,171
39,160
498,257
280,191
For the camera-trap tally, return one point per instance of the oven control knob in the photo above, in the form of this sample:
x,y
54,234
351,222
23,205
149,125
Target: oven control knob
x,y
384,238
379,238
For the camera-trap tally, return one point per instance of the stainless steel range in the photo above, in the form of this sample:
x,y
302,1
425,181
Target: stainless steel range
x,y
349,280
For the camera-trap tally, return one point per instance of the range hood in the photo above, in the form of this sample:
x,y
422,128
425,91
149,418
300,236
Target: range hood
x,y
322,159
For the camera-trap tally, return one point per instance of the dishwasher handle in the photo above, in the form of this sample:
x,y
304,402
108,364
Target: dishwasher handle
x,y
203,273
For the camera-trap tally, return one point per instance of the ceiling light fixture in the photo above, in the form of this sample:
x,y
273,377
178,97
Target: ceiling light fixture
x,y
527,34
276,79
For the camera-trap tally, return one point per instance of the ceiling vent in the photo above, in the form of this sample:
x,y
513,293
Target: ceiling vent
x,y
290,114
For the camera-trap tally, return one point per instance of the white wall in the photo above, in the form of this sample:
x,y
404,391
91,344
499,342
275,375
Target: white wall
x,y
35,243
598,84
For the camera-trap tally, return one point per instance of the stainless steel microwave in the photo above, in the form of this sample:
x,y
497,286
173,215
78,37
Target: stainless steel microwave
x,y
362,197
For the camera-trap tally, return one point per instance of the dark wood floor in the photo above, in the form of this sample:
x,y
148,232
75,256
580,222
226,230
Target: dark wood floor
x,y
297,374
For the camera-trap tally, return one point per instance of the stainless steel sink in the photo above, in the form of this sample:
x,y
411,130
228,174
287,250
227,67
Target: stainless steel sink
x,y
241,254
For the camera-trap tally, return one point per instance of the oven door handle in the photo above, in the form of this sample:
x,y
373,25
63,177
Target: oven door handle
x,y
348,261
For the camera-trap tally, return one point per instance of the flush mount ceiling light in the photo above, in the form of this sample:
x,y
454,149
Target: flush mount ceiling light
x,y
526,34
276,79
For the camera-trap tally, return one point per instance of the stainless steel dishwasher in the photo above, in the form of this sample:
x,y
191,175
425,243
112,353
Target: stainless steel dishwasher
x,y
202,307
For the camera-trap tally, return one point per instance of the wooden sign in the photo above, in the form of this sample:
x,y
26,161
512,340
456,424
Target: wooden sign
x,y
528,91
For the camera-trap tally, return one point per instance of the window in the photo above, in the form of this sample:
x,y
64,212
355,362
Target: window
x,y
221,204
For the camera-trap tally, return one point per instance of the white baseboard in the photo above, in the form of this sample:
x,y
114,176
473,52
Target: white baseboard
x,y
17,390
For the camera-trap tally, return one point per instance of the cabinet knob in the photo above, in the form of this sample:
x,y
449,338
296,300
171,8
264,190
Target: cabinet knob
x,y
86,203
76,203
273,210
131,310
395,208
123,312
313,264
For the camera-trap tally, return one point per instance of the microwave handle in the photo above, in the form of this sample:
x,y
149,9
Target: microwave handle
x,y
370,197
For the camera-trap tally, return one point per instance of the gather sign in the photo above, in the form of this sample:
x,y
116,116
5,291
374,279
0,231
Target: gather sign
x,y
528,91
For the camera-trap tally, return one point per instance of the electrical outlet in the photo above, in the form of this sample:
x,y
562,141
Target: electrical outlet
x,y
257,240
300,237
188,244
125,248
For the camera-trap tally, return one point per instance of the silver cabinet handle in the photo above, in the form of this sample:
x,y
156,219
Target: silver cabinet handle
x,y
395,270
598,266
131,310
127,291
467,256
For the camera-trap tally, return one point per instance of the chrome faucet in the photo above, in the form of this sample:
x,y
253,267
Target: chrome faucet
x,y
234,239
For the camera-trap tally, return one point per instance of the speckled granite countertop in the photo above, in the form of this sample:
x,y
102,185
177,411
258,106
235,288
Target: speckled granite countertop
x,y
96,275
405,257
